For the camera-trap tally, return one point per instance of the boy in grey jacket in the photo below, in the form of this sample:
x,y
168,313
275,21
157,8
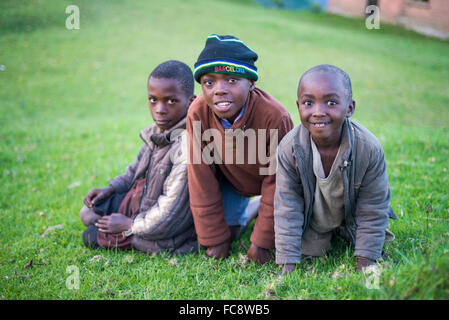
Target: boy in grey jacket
x,y
147,208
331,176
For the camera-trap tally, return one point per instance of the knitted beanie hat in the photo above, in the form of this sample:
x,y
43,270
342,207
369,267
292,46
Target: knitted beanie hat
x,y
226,54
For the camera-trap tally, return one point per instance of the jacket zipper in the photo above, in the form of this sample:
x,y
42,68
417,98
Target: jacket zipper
x,y
311,195
145,187
343,168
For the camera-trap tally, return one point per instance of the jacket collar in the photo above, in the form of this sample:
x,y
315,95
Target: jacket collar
x,y
153,135
304,148
348,137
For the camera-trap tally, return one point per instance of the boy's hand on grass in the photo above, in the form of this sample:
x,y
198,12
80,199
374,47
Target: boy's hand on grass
x,y
219,251
114,223
363,263
259,255
288,268
95,195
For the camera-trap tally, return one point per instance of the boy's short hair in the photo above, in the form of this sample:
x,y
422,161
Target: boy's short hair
x,y
177,70
332,69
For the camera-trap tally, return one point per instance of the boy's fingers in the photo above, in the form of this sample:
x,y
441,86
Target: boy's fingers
x,y
102,223
94,199
91,194
104,220
90,198
104,229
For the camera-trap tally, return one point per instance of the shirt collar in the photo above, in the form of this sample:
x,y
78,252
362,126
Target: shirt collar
x,y
227,124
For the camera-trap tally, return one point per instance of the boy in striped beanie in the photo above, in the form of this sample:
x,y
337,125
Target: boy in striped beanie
x,y
230,123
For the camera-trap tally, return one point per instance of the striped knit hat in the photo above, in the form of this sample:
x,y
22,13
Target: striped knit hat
x,y
226,54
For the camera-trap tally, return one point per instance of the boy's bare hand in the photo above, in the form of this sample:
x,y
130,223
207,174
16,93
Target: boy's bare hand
x,y
288,268
114,223
95,195
259,255
363,262
219,251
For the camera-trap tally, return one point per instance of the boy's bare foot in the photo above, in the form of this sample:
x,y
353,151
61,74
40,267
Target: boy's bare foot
x,y
88,216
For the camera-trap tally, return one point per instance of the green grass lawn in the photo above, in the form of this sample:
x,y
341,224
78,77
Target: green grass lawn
x,y
72,104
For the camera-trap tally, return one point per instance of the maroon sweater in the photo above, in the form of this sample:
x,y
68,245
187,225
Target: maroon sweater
x,y
262,111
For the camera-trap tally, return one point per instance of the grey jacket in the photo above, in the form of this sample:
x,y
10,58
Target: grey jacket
x,y
164,217
366,195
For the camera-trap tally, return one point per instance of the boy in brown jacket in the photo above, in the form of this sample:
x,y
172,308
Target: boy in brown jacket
x,y
147,208
224,173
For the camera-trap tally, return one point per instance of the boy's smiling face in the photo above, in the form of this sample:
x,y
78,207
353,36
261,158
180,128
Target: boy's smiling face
x,y
225,94
323,105
168,103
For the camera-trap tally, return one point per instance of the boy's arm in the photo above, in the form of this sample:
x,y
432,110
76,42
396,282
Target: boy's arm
x,y
171,213
288,208
373,207
123,182
263,235
205,195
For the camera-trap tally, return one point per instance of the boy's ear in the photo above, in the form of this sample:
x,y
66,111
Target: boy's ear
x,y
191,99
253,85
297,103
351,109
